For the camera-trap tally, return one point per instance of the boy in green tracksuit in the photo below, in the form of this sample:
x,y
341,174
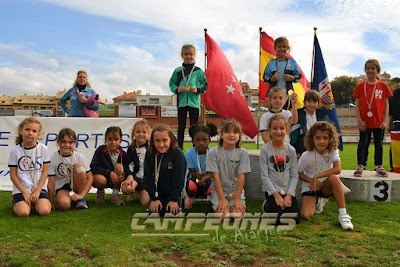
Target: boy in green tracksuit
x,y
188,82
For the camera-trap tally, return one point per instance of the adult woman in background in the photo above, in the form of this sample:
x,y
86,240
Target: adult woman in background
x,y
78,96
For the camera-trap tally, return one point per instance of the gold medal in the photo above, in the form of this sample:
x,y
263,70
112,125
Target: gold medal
x,y
33,189
197,180
71,193
369,114
283,192
231,195
187,88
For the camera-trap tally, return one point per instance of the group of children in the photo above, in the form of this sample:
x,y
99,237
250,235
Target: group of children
x,y
298,144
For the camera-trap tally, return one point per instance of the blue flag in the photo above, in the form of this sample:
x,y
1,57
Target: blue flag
x,y
320,82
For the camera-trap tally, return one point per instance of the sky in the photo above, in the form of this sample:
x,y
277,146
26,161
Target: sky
x,y
130,45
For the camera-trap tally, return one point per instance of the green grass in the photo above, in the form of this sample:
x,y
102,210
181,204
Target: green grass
x,y
102,236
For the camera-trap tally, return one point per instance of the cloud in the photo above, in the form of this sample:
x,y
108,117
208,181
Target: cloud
x,y
115,66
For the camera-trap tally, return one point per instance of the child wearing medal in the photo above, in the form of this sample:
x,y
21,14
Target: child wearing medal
x,y
278,167
70,177
277,100
282,71
107,167
319,168
199,182
228,163
188,82
28,164
372,111
134,164
164,171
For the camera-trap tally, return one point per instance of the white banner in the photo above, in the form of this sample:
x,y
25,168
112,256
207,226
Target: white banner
x,y
169,111
90,134
127,111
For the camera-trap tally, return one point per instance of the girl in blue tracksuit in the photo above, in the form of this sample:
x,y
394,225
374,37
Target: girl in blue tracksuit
x,y
282,71
78,96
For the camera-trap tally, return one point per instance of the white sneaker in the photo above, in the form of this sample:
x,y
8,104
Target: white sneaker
x,y
319,207
345,221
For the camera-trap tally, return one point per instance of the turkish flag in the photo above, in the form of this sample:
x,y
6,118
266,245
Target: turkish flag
x,y
224,95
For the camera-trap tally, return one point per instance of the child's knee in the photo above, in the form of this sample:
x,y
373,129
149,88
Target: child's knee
x,y
118,168
334,179
144,202
99,181
43,208
63,204
22,211
306,215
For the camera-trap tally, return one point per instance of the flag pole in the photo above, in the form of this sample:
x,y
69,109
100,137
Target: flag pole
x,y
259,89
203,108
313,58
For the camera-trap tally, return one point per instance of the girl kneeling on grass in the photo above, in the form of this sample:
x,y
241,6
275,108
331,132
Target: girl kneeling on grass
x,y
164,171
319,168
199,182
107,166
278,166
28,164
228,163
69,173
134,164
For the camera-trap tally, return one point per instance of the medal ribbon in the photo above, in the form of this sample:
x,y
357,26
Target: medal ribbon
x,y
282,175
315,162
372,96
198,160
71,179
226,169
157,172
29,165
190,75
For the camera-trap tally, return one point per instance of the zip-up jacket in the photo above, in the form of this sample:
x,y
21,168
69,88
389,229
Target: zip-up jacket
x,y
171,177
291,69
101,162
129,157
197,79
76,105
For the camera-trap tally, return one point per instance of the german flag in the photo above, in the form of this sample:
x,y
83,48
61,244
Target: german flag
x,y
267,53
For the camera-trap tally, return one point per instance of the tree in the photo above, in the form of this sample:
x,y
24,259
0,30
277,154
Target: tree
x,y
343,88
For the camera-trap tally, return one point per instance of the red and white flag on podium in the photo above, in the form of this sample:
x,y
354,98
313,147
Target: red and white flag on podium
x,y
224,95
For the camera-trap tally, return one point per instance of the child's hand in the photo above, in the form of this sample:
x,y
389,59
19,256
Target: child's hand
x,y
315,185
238,207
114,179
362,125
27,197
223,207
155,206
383,125
287,200
76,197
181,89
193,89
295,97
201,182
288,77
173,207
35,196
275,77
279,200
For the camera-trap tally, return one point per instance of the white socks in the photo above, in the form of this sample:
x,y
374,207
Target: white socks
x,y
115,191
342,211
